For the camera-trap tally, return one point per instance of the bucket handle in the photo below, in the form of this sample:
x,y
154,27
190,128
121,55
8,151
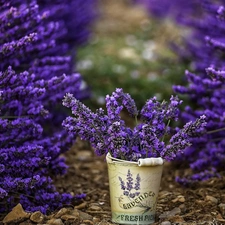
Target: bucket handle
x,y
141,162
150,162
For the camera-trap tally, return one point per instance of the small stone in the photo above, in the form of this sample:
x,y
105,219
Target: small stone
x,y
55,222
222,208
211,199
69,217
76,212
96,220
200,202
177,219
164,194
81,206
166,223
61,212
182,207
84,155
171,213
89,222
179,198
219,216
95,208
94,203
105,223
27,222
85,216
37,217
95,197
16,215
222,198
101,203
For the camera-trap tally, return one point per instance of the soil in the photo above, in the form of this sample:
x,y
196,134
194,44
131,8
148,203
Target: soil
x,y
203,203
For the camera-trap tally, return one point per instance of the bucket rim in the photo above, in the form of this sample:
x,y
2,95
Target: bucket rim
x,y
141,162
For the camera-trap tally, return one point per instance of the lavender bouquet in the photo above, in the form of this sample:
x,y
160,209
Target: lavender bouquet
x,y
153,136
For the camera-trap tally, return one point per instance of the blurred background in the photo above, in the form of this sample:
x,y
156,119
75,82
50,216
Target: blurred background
x,y
130,49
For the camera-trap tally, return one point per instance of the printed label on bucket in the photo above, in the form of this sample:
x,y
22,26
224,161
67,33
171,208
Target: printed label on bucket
x,y
133,193
127,218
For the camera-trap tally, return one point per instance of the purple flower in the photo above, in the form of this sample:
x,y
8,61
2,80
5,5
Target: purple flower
x,y
115,103
3,193
80,196
109,133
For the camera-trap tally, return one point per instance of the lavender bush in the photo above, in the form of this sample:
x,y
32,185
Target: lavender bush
x,y
164,9
206,89
75,16
204,48
33,68
107,132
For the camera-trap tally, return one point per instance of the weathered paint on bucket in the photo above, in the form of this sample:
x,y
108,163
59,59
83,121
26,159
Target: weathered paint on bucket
x,y
133,191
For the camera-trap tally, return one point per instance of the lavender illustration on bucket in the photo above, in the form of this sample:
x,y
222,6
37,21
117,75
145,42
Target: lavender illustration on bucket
x,y
132,197
131,189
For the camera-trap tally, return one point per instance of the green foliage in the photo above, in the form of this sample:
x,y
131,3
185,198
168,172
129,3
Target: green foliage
x,y
138,63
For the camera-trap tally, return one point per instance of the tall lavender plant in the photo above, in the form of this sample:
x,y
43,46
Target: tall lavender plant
x,y
206,89
75,16
162,9
204,47
35,73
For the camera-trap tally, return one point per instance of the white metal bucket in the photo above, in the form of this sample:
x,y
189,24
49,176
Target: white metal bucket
x,y
134,188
